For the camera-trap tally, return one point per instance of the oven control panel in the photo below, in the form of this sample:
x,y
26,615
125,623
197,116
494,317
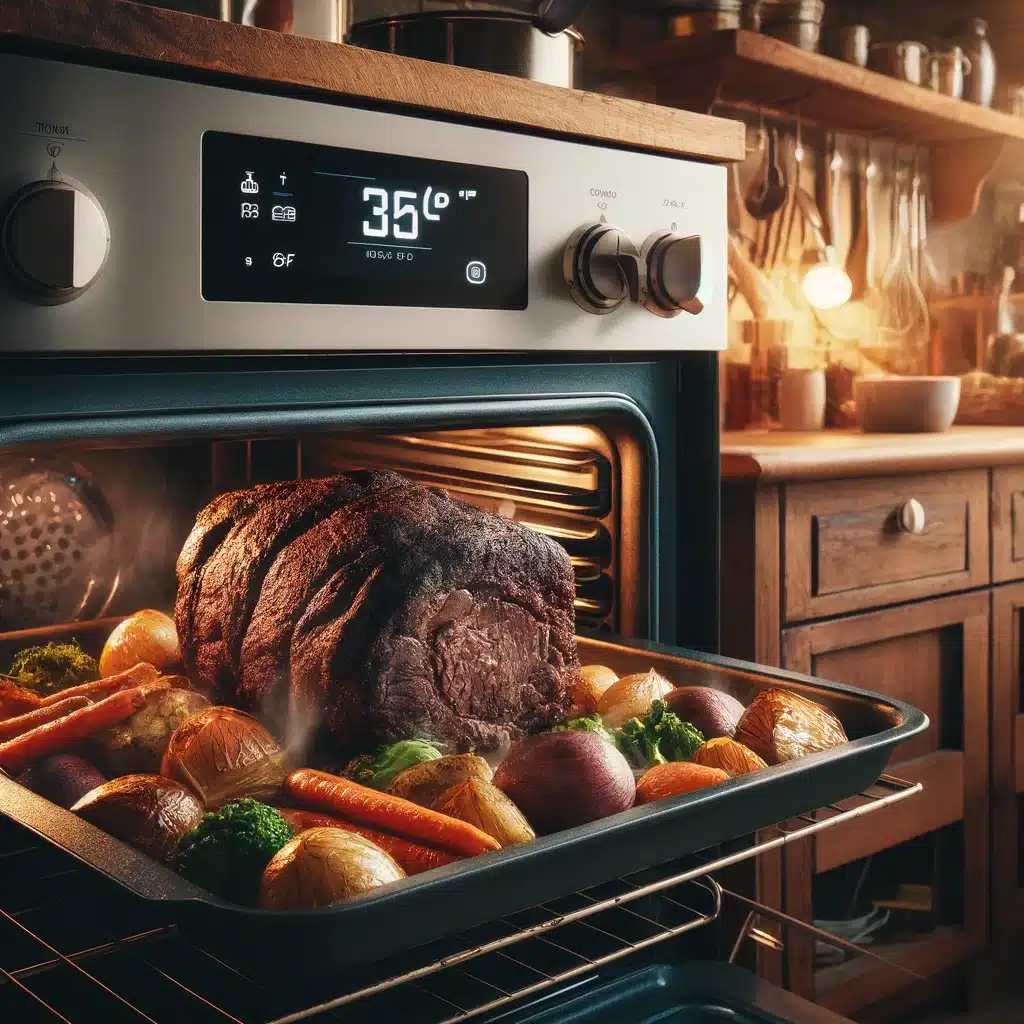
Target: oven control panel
x,y
144,214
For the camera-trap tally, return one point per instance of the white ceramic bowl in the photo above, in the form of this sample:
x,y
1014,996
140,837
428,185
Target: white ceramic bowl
x,y
906,405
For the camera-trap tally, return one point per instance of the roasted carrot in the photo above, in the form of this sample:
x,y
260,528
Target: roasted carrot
x,y
56,736
11,727
137,676
322,792
16,700
413,858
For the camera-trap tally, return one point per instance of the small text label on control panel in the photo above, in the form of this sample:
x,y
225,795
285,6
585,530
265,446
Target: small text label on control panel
x,y
48,128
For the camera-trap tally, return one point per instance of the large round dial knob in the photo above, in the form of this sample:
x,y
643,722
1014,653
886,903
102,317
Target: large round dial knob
x,y
673,273
602,268
55,240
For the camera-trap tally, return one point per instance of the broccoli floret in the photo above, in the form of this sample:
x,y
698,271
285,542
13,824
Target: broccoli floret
x,y
677,740
660,736
378,772
592,723
639,745
228,850
55,667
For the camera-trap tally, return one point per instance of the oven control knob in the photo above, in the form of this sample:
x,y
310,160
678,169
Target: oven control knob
x,y
55,240
673,265
602,268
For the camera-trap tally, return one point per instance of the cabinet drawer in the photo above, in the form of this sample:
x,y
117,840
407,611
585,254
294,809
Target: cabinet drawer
x,y
855,544
1008,524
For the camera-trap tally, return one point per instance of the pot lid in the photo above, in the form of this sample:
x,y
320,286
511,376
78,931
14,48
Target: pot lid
x,y
550,15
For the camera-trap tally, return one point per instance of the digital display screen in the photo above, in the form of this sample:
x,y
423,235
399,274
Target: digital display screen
x,y
292,222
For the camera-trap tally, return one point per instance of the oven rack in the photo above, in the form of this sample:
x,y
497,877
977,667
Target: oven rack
x,y
109,960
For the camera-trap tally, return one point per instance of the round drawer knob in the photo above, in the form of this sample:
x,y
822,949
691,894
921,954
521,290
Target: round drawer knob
x,y
911,516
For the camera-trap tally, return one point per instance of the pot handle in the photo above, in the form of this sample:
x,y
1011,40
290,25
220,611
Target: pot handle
x,y
966,64
557,15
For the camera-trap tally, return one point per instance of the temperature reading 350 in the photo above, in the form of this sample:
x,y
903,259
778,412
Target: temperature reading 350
x,y
398,213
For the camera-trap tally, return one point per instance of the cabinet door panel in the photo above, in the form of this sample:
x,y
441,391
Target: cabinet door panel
x,y
1007,766
933,654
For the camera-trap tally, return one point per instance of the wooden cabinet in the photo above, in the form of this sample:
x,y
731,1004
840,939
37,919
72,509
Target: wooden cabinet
x,y
1007,768
819,577
856,544
1008,524
933,654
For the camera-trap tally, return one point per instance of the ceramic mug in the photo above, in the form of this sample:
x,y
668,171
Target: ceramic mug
x,y
802,399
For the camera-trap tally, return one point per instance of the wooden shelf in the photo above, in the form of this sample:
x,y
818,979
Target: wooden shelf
x,y
747,69
848,987
146,37
941,804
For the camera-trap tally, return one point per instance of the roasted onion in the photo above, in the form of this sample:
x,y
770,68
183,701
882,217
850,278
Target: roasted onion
x,y
590,684
145,636
224,755
488,808
146,811
632,697
562,779
779,725
323,866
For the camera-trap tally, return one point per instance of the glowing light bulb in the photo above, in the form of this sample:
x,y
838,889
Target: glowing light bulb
x,y
827,286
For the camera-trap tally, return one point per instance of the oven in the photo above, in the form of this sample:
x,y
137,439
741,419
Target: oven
x,y
209,287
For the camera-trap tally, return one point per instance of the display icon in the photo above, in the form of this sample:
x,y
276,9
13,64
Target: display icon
x,y
250,187
285,214
250,211
470,193
476,272
283,177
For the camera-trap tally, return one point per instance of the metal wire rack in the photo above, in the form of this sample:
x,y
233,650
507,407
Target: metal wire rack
x,y
75,948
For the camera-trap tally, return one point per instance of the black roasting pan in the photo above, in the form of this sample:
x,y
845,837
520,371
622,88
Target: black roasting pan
x,y
459,897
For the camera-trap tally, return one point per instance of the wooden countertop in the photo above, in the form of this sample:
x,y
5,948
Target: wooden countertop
x,y
152,35
775,455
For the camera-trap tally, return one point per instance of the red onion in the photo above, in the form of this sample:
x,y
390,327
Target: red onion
x,y
562,779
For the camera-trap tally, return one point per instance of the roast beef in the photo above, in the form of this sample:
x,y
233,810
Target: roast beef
x,y
382,609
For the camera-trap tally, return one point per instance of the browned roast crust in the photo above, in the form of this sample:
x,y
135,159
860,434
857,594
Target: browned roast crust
x,y
386,608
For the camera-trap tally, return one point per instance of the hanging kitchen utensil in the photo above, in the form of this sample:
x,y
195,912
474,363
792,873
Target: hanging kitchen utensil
x,y
870,212
798,162
768,191
901,334
833,182
928,274
779,251
857,254
915,219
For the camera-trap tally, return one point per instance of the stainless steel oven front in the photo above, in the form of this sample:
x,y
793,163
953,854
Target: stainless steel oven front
x,y
208,287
